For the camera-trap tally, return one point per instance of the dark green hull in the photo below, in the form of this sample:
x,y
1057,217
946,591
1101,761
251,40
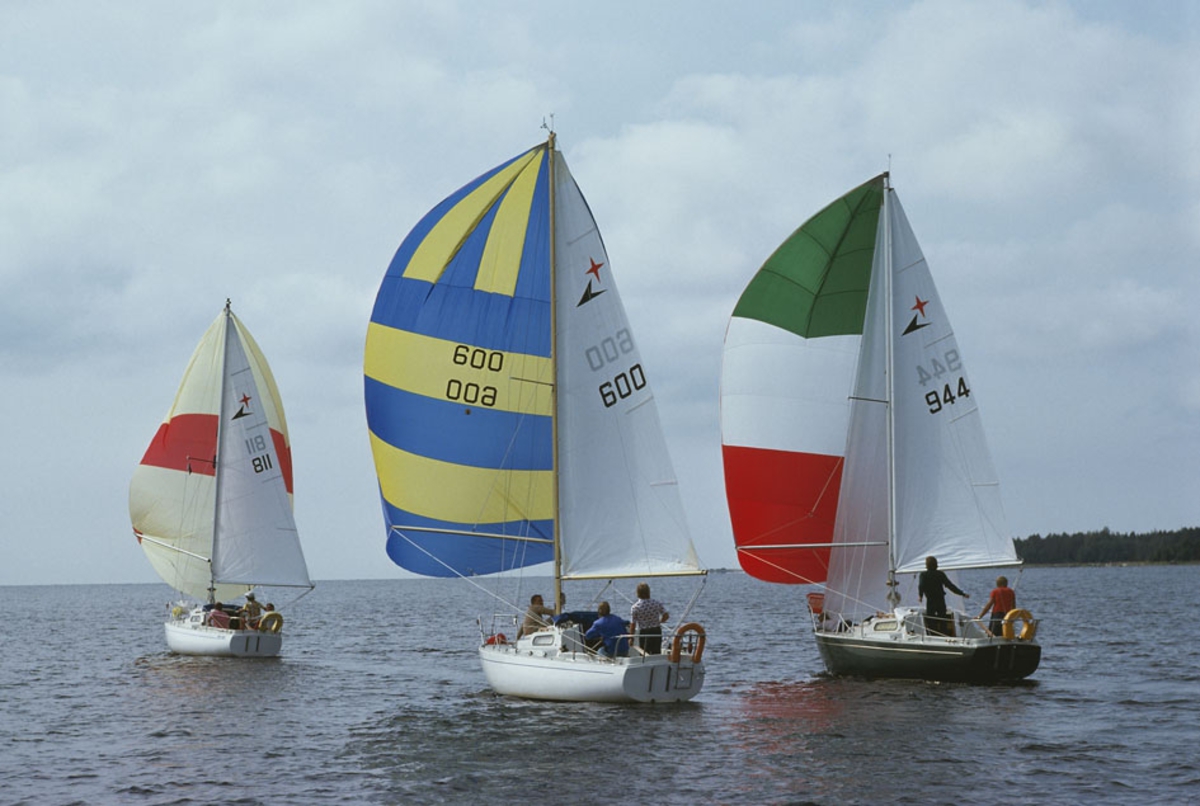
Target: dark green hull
x,y
965,661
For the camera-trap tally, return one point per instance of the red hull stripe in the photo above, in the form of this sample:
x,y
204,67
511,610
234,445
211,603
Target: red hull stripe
x,y
782,498
189,443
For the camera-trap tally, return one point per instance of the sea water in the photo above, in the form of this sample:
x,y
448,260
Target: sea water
x,y
378,697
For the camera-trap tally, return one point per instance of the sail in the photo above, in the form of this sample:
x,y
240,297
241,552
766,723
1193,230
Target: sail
x,y
172,496
621,512
946,499
461,385
458,380
941,453
256,541
787,372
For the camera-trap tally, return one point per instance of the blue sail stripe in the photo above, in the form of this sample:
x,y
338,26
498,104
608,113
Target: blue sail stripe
x,y
438,429
451,308
464,554
465,316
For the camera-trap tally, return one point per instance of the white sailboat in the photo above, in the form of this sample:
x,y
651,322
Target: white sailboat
x,y
512,424
211,501
854,448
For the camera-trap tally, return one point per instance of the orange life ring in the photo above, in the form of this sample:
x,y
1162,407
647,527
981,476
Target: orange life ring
x,y
271,622
1028,625
677,644
498,638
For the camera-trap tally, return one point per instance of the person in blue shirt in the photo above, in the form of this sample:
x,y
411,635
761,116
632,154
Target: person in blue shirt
x,y
609,633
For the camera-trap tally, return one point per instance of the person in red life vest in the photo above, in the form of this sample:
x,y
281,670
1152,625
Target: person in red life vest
x,y
1002,600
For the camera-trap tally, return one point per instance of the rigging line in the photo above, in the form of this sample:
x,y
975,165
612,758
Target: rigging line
x,y
803,579
169,547
455,571
683,618
465,533
788,546
850,598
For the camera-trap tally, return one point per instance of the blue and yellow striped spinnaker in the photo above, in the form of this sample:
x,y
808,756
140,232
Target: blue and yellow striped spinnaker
x,y
458,379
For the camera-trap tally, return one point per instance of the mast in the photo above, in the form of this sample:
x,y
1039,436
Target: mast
x,y
212,582
889,375
558,594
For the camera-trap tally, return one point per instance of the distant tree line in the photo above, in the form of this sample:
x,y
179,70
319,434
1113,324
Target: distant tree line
x,y
1089,548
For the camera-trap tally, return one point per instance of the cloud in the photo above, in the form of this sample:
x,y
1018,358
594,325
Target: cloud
x,y
155,161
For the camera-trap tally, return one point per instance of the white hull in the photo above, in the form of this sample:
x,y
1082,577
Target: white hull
x,y
189,636
537,667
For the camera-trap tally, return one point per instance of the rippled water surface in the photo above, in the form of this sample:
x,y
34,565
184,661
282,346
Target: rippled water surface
x,y
378,697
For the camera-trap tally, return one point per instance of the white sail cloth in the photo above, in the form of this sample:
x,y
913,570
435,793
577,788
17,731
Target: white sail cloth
x,y
943,497
620,509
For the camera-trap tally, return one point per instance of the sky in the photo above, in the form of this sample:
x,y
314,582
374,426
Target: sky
x,y
156,159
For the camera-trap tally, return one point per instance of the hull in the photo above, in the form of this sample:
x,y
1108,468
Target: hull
x,y
534,669
900,648
184,637
967,661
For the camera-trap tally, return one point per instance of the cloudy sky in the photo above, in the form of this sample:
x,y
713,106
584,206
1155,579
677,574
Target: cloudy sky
x,y
157,158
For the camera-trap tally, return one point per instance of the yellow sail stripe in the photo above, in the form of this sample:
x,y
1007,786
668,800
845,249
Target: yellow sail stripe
x,y
501,262
445,238
426,364
459,493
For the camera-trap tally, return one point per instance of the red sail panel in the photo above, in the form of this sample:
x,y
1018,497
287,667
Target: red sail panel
x,y
189,443
780,502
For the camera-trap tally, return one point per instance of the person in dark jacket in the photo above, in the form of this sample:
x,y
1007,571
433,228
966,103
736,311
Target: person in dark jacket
x,y
609,633
932,586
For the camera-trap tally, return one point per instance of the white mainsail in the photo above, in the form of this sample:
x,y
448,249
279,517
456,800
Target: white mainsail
x,y
936,493
620,511
255,540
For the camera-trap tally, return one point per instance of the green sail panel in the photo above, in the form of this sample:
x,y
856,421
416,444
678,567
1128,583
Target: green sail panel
x,y
815,284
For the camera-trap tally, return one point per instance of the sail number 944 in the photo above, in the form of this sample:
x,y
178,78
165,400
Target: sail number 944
x,y
471,392
937,400
952,389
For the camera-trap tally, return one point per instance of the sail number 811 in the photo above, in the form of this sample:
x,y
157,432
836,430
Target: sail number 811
x,y
254,444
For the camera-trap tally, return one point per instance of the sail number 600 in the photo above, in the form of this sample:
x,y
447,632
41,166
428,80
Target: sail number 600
x,y
623,385
468,391
478,358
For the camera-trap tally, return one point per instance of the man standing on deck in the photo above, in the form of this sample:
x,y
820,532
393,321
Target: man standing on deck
x,y
932,585
648,616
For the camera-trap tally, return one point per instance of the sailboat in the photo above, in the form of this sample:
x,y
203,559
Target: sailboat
x,y
512,424
211,500
853,448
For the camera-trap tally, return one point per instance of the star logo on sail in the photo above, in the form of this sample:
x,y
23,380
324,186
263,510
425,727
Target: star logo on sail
x,y
588,293
920,314
244,411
